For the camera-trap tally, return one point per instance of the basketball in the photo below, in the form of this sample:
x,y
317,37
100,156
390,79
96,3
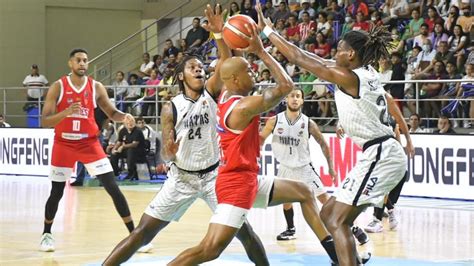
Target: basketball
x,y
233,28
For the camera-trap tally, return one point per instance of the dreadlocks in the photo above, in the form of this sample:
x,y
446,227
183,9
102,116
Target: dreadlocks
x,y
370,47
180,69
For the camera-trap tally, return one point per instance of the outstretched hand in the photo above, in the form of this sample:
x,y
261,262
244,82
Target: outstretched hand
x,y
255,44
262,21
215,18
172,146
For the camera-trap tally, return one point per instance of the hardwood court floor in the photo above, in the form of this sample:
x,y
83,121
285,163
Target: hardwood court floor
x,y
434,232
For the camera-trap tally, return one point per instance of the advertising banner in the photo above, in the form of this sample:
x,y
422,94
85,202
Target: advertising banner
x,y
443,165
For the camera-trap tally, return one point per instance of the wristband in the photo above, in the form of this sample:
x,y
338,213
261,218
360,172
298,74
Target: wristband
x,y
267,31
217,35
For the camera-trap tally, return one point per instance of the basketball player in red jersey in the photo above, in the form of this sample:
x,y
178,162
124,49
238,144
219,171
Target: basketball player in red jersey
x,y
69,108
237,187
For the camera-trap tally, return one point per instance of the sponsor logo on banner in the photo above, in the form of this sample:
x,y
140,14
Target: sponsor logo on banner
x,y
26,151
443,166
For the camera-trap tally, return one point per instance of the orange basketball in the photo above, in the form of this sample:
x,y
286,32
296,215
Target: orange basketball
x,y
234,27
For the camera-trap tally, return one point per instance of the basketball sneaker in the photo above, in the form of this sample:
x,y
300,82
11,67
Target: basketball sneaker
x,y
392,219
375,226
47,242
146,248
364,258
288,234
360,235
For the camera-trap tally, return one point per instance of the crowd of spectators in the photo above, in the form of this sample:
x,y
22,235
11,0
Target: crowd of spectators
x,y
431,40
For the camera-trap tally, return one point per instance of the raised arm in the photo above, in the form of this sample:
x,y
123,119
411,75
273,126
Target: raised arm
x,y
395,112
250,106
267,130
318,136
49,117
322,68
215,25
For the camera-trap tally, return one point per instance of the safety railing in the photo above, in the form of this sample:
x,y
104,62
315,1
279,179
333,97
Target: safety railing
x,y
126,55
166,92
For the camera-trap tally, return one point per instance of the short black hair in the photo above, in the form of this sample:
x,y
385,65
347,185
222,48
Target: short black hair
x,y
77,50
425,25
447,118
396,54
140,118
299,89
417,48
417,116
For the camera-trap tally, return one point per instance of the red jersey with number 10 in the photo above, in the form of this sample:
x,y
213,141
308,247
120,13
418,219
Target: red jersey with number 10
x,y
82,125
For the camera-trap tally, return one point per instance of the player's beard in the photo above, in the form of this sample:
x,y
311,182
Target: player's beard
x,y
294,109
79,73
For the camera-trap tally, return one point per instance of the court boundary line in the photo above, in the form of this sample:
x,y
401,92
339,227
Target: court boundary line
x,y
328,191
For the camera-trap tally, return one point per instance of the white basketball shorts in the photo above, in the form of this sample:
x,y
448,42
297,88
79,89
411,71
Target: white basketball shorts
x,y
180,191
379,169
306,174
234,216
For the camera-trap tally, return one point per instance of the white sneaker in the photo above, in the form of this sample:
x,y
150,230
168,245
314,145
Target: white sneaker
x,y
392,219
466,124
146,248
47,242
455,124
374,227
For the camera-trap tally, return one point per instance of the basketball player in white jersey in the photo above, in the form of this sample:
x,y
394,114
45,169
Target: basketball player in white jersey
x,y
191,146
362,107
291,131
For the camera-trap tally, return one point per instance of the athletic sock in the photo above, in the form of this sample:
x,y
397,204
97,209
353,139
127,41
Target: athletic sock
x,y
389,205
289,218
47,228
328,245
378,213
130,226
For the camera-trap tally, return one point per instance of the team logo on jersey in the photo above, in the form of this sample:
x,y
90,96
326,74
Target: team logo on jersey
x,y
302,126
69,101
205,104
86,97
280,130
370,186
300,134
372,84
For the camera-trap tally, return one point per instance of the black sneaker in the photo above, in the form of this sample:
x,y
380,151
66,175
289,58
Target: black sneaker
x,y
365,257
360,235
288,234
